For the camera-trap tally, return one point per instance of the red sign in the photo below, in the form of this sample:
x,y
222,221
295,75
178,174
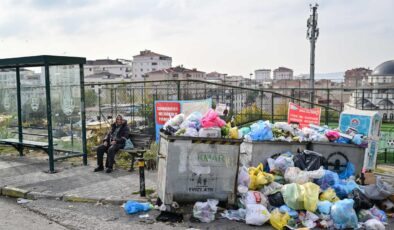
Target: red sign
x,y
166,110
303,116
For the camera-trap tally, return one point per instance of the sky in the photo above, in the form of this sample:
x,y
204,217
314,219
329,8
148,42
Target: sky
x,y
228,36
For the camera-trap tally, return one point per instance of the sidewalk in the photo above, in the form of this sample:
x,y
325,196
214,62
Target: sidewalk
x,y
25,177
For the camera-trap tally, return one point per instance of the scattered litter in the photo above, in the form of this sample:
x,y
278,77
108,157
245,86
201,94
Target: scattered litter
x,y
144,216
132,207
374,224
205,211
256,214
23,201
236,215
171,217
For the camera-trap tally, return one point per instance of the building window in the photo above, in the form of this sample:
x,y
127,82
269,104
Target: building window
x,y
103,68
90,69
121,68
384,116
154,63
392,116
142,70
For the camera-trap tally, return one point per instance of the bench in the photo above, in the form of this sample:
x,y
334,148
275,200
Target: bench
x,y
25,143
141,144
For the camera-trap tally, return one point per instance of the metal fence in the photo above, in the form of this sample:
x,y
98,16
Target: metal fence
x,y
135,101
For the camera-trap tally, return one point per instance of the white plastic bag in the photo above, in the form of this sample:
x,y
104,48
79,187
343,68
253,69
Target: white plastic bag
x,y
268,189
254,197
374,224
296,175
205,211
257,214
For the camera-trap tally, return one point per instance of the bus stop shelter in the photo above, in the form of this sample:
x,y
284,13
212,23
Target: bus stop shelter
x,y
42,106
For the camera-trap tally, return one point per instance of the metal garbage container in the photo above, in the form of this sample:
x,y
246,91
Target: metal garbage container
x,y
354,153
254,152
194,169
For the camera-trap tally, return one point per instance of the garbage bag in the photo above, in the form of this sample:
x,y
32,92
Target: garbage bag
x,y
343,140
226,129
259,178
279,220
191,132
175,121
285,209
256,214
132,207
333,135
243,131
364,215
343,214
344,188
379,191
260,131
301,197
276,199
254,197
361,201
233,133
348,172
205,211
282,162
211,119
308,219
324,207
243,177
309,160
329,195
236,215
296,175
379,214
270,188
374,224
329,179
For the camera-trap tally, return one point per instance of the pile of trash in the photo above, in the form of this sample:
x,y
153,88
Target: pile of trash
x,y
196,125
295,191
212,126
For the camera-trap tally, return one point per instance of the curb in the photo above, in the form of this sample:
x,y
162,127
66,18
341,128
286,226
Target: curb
x,y
21,193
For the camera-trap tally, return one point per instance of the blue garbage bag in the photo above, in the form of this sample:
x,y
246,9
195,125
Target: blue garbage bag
x,y
349,171
344,188
132,207
343,214
329,179
260,131
285,209
357,139
343,140
324,207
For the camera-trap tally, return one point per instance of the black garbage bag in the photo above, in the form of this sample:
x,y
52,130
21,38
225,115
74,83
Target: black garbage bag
x,y
309,160
361,201
276,199
171,217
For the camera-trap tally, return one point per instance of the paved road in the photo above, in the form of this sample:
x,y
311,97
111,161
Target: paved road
x,y
13,216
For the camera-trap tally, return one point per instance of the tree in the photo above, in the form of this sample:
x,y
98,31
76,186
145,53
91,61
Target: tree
x,y
90,98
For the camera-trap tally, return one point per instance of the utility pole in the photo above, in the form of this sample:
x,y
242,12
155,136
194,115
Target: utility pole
x,y
312,34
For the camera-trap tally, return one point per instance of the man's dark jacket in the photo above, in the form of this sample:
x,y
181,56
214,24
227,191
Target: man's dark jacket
x,y
122,135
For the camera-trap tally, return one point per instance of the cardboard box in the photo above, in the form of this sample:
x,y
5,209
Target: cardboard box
x,y
370,178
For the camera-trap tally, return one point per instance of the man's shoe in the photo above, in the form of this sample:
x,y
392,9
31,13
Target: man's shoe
x,y
108,170
98,169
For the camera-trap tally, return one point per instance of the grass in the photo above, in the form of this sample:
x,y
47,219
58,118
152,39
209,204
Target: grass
x,y
148,192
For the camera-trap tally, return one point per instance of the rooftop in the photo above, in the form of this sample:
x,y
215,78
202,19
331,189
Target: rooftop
x,y
148,53
177,69
103,62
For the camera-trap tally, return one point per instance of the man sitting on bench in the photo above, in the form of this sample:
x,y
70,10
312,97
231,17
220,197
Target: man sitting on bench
x,y
113,141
